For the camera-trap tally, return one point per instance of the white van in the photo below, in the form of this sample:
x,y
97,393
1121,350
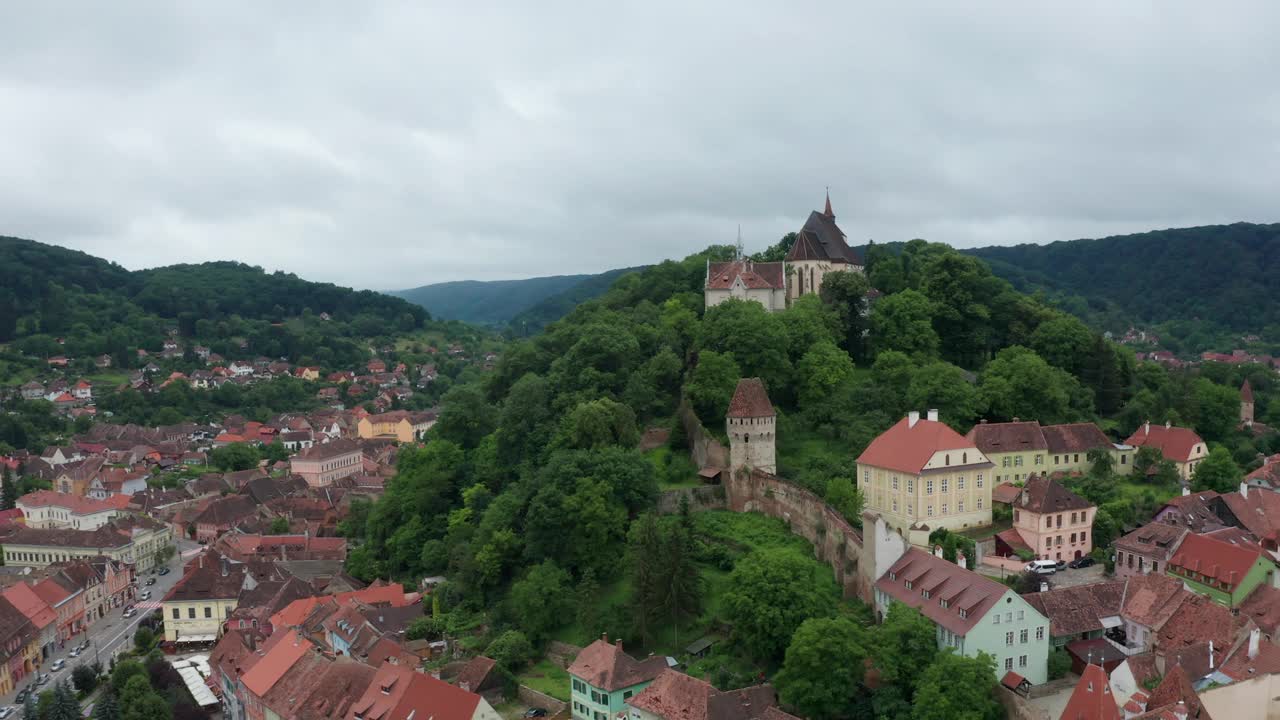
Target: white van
x,y
1042,567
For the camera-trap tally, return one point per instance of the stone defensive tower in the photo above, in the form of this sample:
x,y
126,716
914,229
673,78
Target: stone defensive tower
x,y
751,424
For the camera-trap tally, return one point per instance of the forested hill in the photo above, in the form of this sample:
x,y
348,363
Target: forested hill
x,y
487,302
1216,275
96,307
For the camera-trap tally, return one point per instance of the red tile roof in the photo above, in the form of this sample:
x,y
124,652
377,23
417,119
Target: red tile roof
x,y
750,400
1263,607
1075,438
675,696
754,275
1175,688
962,590
393,594
1092,699
1042,494
604,665
1005,493
1198,620
1220,561
1151,599
429,697
282,651
1242,667
1154,538
21,596
1007,437
77,504
1246,392
1080,609
1175,443
1258,512
908,448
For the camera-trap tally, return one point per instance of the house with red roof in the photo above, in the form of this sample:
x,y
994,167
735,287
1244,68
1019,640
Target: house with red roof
x,y
66,600
603,678
43,619
1049,520
1180,446
743,279
973,613
398,692
677,696
1223,571
1092,698
920,475
49,509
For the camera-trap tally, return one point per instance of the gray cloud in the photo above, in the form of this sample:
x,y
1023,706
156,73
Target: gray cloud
x,y
408,143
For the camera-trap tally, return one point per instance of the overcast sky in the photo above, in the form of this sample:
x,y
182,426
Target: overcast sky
x,y
402,144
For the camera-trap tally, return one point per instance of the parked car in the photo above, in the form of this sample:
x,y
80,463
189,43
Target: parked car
x,y
1061,565
57,665
42,679
1042,567
146,595
22,695
1083,561
6,712
535,712
163,571
130,611
75,652
150,582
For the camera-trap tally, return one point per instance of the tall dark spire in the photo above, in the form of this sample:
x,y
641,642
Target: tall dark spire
x,y
827,211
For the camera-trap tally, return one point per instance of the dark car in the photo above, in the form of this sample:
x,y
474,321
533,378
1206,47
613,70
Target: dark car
x,y
163,571
535,712
150,582
22,695
1083,561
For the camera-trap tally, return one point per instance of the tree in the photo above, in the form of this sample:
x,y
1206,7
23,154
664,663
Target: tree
x,y
1217,472
123,672
541,600
465,416
943,386
1217,409
144,639
587,599
84,678
846,294
597,424
279,525
65,705
822,676
1063,341
1018,383
845,498
711,385
903,645
770,593
165,554
955,687
823,369
8,490
904,322
510,650
1059,663
756,338
644,547
29,709
148,707
234,457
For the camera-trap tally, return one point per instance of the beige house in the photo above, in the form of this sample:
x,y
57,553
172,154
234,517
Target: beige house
x,y
921,475
1049,521
400,425
819,250
38,547
1020,450
320,465
196,607
1181,446
49,509
765,283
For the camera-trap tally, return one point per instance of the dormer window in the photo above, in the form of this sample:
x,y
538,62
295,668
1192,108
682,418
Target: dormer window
x,y
964,613
925,593
943,602
946,459
893,575
908,583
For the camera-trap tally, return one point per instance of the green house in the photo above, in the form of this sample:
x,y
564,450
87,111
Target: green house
x,y
603,677
1223,571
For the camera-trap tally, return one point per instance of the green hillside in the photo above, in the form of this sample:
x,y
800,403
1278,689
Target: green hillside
x,y
491,302
55,301
554,307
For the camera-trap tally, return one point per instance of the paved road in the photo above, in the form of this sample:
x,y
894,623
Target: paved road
x,y
111,634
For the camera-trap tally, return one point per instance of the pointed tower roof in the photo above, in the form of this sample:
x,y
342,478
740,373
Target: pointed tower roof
x,y
1092,698
750,400
1246,392
827,211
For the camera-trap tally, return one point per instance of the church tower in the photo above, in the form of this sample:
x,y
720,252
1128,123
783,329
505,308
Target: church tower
x,y
1246,405
751,425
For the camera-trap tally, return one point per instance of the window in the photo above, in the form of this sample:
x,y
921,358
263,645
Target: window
x,y
979,503
866,477
1073,538
1048,521
1155,566
960,506
1006,461
1082,537
596,697
964,613
1040,633
943,602
944,484
1039,459
946,459
928,487
895,506
628,694
1077,458
895,482
1008,617
964,458
1073,520
911,485
910,513
1017,461
1022,636
1057,459
1008,663
177,613
1022,661
191,613
960,482
1017,515
1048,542
930,512
996,619
208,611
979,480
924,594
908,584
944,508
1022,614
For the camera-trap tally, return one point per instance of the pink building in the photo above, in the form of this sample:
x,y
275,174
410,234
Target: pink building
x,y
1049,521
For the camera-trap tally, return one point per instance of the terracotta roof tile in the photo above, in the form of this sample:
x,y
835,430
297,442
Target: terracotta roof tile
x,y
1092,698
750,400
1198,620
1075,438
1263,607
1076,610
962,589
1175,443
1151,599
1220,561
1007,437
754,275
1155,538
1042,494
604,665
908,448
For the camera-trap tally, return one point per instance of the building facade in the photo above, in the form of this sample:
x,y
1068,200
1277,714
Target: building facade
x,y
820,249
1053,522
197,606
1147,549
1180,446
603,678
322,465
751,426
921,473
765,283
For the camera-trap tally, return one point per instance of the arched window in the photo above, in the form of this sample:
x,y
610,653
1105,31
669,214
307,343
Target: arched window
x,y
946,459
964,458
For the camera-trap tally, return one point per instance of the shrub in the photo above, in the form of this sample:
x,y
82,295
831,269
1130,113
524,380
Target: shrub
x,y
1059,664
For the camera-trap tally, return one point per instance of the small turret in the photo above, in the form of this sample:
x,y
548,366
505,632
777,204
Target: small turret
x,y
751,426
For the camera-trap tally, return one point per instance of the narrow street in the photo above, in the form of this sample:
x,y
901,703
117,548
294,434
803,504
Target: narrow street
x,y
113,633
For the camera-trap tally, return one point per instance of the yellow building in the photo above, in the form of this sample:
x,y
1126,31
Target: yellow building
x,y
198,605
1022,449
921,475
400,425
38,547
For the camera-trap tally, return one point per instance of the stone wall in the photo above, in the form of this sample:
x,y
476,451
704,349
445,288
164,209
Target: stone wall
x,y
834,540
706,497
533,698
704,448
562,654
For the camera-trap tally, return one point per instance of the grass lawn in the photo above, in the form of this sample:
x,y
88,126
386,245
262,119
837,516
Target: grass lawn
x,y
982,533
547,677
108,377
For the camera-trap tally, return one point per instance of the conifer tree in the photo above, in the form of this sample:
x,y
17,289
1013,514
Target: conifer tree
x,y
8,490
107,708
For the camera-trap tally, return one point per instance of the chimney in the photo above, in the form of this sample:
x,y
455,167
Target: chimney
x,y
983,421
913,417
1017,420
1185,491
960,560
1244,490
937,551
1211,663
1044,586
1167,424
1180,710
933,415
1146,428
1255,636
